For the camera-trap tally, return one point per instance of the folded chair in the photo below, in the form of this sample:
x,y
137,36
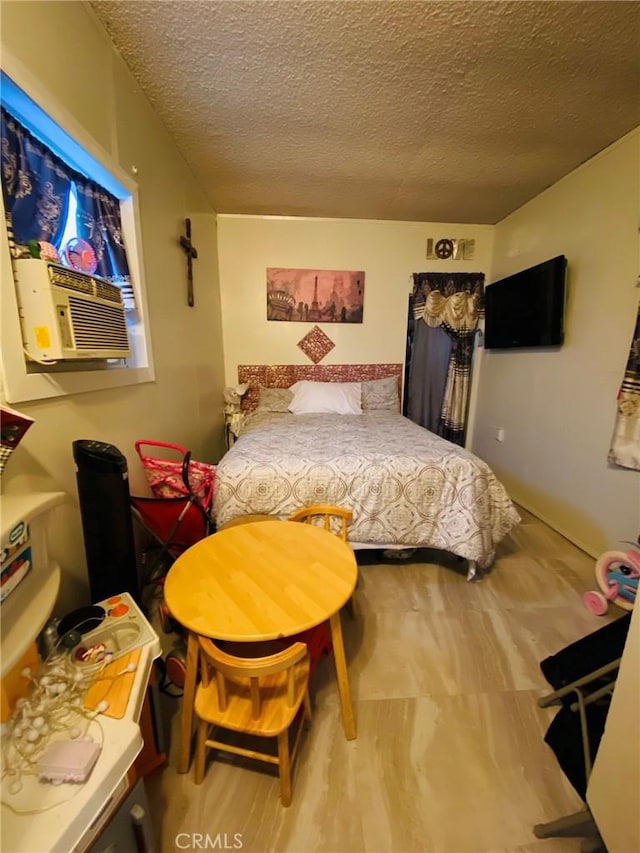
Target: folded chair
x,y
584,677
255,696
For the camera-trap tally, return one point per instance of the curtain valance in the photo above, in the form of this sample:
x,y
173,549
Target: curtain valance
x,y
454,300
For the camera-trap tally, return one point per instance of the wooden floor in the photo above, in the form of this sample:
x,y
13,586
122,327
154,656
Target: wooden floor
x,y
450,754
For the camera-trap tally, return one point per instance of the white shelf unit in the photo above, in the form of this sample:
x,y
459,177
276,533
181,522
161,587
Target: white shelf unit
x,y
26,609
80,811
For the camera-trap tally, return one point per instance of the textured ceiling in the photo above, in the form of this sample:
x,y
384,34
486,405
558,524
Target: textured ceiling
x,y
383,109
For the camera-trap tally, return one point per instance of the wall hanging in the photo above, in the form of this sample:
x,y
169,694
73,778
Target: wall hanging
x,y
450,247
315,344
315,296
192,253
625,444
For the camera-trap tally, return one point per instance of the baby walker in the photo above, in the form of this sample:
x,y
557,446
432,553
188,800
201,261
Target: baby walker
x,y
617,573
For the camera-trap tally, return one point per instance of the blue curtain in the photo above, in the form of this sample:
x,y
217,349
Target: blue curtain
x,y
35,184
430,357
99,223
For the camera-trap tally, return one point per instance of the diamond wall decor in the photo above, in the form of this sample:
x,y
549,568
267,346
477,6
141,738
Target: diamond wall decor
x,y
315,344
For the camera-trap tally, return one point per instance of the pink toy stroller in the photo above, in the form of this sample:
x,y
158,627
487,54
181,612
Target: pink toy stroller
x,y
176,517
179,513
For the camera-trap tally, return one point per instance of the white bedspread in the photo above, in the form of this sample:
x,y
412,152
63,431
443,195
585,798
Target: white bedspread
x,y
406,486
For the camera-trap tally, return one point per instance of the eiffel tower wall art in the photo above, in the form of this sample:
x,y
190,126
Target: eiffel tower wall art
x,y
315,296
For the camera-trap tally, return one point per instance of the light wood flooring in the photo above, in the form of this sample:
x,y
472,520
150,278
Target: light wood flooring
x,y
450,754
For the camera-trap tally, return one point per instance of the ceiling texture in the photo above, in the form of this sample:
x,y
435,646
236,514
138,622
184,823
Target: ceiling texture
x,y
414,110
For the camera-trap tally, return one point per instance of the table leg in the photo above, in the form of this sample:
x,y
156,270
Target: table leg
x,y
188,695
348,720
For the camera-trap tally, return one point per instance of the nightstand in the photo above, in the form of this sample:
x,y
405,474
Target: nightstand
x,y
232,423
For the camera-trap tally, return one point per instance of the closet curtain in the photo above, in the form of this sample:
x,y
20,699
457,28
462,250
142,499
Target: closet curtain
x,y
445,308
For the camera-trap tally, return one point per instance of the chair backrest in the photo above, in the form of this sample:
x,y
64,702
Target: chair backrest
x,y
247,519
229,666
327,514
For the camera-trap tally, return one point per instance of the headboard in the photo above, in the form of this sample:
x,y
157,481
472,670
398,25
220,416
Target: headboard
x,y
285,375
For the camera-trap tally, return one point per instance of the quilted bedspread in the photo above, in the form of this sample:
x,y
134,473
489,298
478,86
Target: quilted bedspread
x,y
405,486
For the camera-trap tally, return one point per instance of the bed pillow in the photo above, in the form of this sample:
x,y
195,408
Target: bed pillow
x,y
340,398
381,394
273,399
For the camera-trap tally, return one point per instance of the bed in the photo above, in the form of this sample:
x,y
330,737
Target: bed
x,y
407,488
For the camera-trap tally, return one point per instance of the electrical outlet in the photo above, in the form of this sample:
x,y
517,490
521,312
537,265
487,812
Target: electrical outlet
x,y
499,434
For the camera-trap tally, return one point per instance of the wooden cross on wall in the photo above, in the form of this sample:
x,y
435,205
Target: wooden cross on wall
x,y
191,253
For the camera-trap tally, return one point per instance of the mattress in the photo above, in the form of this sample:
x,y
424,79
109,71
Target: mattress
x,y
405,486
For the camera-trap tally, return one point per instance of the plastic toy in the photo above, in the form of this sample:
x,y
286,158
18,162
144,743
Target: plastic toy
x,y
80,255
617,573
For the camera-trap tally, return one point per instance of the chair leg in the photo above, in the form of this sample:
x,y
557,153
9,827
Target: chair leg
x,y
593,845
284,767
575,825
307,705
201,748
351,609
351,606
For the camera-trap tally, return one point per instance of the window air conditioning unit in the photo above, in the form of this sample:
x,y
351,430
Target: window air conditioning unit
x,y
66,314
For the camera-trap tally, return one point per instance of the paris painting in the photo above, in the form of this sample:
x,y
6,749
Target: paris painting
x,y
315,296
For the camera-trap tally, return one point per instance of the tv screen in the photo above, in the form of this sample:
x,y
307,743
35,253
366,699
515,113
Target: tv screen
x,y
527,309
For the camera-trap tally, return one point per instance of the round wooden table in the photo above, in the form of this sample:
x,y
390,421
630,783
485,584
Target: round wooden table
x,y
261,581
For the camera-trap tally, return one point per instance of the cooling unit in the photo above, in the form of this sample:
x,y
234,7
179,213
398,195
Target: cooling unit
x,y
66,314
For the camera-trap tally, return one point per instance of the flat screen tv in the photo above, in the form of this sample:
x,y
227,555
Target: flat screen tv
x,y
527,309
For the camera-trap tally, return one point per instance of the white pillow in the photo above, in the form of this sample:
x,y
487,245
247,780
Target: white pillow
x,y
340,398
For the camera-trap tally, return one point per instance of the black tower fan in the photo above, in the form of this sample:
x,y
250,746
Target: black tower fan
x,y
103,489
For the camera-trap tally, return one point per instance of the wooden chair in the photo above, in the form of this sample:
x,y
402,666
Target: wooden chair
x,y
327,513
318,639
334,519
247,519
256,696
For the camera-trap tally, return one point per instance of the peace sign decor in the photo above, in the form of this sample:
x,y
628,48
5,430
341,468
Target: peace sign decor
x,y
450,248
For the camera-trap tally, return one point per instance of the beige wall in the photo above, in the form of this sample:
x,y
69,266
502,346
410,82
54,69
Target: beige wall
x,y
388,252
62,50
557,407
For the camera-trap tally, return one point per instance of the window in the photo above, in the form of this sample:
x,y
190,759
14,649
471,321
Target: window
x,y
95,206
